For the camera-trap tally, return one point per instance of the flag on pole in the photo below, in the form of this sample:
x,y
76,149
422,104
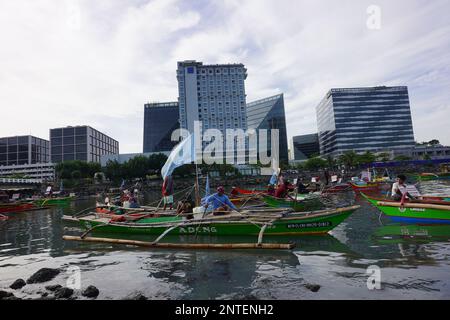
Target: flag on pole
x,y
207,191
183,153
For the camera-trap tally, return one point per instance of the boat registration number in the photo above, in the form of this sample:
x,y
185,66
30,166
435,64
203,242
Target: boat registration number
x,y
309,225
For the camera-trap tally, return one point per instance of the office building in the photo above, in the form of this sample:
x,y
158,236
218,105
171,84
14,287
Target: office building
x,y
22,150
212,94
305,146
269,114
80,143
41,171
160,120
364,119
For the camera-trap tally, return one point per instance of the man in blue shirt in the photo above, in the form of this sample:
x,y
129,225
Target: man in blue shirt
x,y
219,201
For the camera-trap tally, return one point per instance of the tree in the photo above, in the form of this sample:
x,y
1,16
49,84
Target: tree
x,y
402,158
366,157
383,156
349,158
434,142
315,163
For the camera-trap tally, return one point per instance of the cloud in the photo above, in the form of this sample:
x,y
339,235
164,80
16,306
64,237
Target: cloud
x,y
97,62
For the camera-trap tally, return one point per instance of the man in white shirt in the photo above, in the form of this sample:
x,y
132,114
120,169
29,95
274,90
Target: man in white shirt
x,y
399,188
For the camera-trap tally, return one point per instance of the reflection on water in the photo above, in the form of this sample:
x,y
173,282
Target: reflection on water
x,y
414,260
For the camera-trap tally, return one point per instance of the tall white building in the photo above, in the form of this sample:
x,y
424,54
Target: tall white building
x,y
212,94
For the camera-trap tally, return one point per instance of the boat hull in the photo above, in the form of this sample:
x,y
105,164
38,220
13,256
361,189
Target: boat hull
x,y
11,208
285,226
306,204
53,201
411,214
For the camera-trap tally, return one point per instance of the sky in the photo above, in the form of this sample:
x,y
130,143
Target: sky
x,y
84,62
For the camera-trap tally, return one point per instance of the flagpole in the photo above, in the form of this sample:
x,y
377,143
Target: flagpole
x,y
197,191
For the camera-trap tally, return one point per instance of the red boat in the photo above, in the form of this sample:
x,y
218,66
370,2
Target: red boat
x,y
337,188
16,207
250,192
369,186
258,191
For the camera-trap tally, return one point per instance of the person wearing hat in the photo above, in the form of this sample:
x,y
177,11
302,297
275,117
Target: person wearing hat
x,y
219,201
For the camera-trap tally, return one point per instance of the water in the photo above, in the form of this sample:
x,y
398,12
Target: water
x,y
414,262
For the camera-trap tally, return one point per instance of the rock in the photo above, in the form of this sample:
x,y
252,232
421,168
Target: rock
x,y
13,297
136,296
53,287
90,292
43,275
312,287
44,294
5,294
18,284
63,293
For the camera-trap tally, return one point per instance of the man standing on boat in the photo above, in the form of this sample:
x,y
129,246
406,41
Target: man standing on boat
x,y
220,201
167,192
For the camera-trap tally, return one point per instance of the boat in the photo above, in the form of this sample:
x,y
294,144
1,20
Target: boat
x,y
412,212
3,217
341,187
53,201
16,207
247,222
303,202
365,186
432,176
250,192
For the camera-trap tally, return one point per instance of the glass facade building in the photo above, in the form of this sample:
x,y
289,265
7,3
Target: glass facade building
x,y
364,119
269,114
80,143
21,150
305,146
212,94
160,120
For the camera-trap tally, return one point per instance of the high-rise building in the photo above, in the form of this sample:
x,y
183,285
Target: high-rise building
x,y
269,114
160,120
364,119
22,150
80,143
212,94
305,146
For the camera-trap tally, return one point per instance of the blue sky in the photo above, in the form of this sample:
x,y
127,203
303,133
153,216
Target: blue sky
x,y
69,62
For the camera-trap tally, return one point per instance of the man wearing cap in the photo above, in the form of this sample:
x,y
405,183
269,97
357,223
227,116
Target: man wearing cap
x,y
219,201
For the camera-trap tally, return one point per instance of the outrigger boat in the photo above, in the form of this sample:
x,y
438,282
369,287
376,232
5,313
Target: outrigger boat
x,y
365,186
246,222
303,202
15,207
420,212
53,201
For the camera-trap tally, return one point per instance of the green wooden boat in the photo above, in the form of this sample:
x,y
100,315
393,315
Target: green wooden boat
x,y
410,212
432,176
305,203
243,224
53,201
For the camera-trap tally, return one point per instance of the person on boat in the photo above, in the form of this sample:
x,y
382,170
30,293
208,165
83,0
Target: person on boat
x,y
282,190
133,201
301,188
186,207
220,202
167,192
234,192
399,189
270,190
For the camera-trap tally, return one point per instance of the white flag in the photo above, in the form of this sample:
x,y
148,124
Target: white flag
x,y
183,153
